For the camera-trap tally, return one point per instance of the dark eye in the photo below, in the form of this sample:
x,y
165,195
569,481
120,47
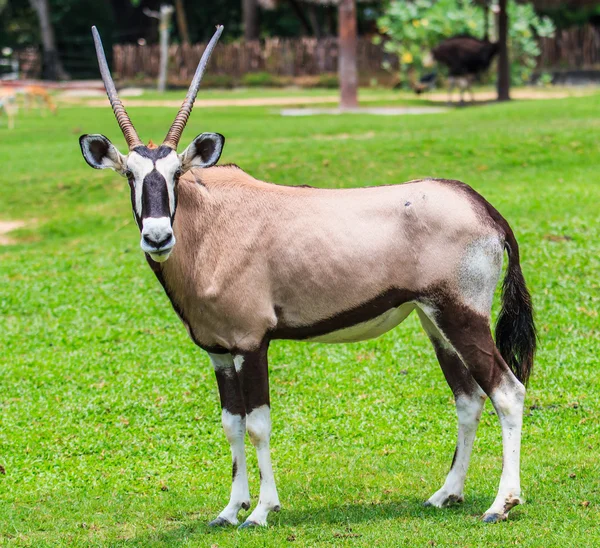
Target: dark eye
x,y
128,174
178,174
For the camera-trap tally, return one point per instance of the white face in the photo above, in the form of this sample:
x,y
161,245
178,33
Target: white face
x,y
153,177
153,174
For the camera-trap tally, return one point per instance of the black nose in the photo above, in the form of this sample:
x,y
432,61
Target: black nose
x,y
157,244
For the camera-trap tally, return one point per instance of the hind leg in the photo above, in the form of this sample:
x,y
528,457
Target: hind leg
x,y
468,332
469,404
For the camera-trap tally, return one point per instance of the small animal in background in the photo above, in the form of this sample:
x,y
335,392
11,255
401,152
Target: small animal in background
x,y
426,83
466,58
8,104
38,95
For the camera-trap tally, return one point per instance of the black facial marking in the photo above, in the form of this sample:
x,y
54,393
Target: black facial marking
x,y
153,153
155,196
131,181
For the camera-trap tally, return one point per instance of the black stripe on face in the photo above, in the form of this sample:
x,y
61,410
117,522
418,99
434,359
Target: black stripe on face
x,y
155,196
137,218
153,153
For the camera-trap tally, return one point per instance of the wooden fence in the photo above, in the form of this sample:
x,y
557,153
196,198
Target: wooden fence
x,y
577,48
574,48
283,57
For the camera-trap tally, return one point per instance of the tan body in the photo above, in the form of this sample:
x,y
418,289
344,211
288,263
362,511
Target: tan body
x,y
293,245
256,262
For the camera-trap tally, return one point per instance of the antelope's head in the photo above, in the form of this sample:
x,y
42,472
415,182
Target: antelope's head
x,y
153,172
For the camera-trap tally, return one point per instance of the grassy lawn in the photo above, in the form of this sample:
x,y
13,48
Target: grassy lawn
x,y
110,423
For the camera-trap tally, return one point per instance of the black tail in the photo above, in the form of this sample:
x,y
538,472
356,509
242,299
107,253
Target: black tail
x,y
516,336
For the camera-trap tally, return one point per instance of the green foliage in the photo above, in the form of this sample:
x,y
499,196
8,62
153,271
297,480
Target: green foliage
x,y
328,80
259,79
223,81
111,430
414,28
566,15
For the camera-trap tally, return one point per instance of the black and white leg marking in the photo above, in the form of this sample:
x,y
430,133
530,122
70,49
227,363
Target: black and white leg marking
x,y
468,332
469,404
252,370
233,416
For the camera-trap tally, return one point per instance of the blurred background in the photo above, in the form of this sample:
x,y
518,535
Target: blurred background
x,y
307,43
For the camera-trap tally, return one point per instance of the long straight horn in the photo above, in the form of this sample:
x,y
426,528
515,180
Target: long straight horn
x,y
123,120
172,138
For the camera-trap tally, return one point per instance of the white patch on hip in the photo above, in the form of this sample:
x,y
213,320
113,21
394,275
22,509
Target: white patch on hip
x,y
167,167
140,167
369,329
479,273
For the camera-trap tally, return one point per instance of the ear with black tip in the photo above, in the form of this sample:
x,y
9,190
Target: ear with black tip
x,y
204,151
100,153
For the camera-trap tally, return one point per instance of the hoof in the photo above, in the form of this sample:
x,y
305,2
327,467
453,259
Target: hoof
x,y
453,499
494,518
249,524
450,500
220,522
511,502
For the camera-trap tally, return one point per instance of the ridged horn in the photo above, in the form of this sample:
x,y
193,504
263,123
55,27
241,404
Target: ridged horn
x,y
172,138
123,120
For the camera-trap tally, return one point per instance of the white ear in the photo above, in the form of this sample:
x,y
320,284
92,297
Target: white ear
x,y
204,151
100,153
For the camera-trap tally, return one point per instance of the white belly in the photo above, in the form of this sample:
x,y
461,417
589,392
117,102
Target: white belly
x,y
369,329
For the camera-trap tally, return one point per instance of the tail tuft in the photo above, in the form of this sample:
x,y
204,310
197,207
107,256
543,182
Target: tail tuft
x,y
516,336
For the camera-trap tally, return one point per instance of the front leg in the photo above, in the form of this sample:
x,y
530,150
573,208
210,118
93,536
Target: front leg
x,y
233,416
252,370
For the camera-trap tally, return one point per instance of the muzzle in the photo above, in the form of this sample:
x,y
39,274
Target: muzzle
x,y
158,239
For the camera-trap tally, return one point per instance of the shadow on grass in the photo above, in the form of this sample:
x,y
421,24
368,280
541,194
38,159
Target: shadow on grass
x,y
335,517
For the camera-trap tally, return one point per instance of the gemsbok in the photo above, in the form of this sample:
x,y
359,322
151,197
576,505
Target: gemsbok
x,y
245,262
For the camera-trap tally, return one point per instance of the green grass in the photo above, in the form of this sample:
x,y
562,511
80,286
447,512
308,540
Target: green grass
x,y
110,430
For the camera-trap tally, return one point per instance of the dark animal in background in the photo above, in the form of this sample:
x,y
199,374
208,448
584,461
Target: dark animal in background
x,y
426,83
466,58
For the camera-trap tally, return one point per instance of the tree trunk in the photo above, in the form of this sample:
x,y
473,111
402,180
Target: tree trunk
x,y
486,20
165,23
250,20
52,68
164,18
503,61
182,25
347,70
330,20
314,21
